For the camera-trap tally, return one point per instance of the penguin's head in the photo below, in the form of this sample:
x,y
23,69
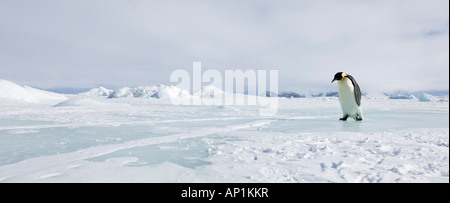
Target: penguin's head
x,y
339,76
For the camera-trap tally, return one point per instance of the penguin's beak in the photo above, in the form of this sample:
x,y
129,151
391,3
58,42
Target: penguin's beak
x,y
334,79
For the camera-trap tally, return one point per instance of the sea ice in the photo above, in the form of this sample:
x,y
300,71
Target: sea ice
x,y
90,138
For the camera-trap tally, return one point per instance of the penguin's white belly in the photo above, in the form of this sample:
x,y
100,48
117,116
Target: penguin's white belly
x,y
348,100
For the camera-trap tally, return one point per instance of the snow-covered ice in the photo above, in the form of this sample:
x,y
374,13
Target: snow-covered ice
x,y
16,94
93,138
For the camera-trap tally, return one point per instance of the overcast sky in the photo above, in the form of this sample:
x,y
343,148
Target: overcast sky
x,y
385,45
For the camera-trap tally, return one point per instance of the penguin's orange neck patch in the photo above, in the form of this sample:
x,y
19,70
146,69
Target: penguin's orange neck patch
x,y
343,76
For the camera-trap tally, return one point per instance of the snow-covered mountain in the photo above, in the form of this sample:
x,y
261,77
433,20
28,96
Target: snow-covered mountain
x,y
13,93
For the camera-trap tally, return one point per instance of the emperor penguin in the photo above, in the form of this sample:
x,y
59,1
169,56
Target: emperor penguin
x,y
349,96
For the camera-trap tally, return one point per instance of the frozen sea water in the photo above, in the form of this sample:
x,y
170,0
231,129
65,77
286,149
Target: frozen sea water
x,y
150,140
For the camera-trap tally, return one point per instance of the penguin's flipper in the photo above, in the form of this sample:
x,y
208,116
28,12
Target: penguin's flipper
x,y
357,90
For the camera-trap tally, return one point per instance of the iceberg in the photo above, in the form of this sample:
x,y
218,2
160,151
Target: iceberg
x,y
289,94
122,92
98,91
401,96
171,92
424,97
146,92
157,91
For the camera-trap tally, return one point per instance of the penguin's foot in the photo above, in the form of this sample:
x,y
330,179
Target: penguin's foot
x,y
358,118
344,118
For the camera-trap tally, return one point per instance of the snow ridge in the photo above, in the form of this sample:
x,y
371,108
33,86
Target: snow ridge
x,y
12,93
